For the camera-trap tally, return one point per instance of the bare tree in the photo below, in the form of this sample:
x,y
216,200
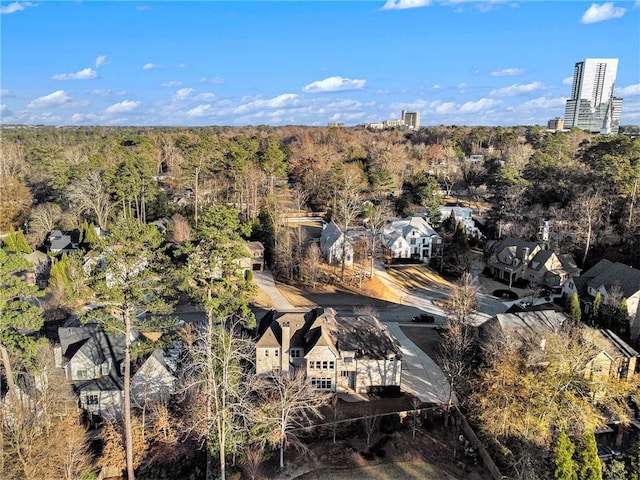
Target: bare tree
x,y
311,263
220,387
40,431
457,343
587,211
89,195
289,404
370,420
44,218
180,230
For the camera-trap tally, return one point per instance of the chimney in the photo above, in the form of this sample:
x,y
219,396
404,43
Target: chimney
x,y
284,358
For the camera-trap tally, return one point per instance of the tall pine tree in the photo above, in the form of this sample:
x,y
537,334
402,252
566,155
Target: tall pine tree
x,y
130,281
562,458
588,464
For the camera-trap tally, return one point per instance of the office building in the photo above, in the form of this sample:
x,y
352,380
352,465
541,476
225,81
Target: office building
x,y
411,119
592,105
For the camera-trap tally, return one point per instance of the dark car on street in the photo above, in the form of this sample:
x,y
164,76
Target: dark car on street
x,y
423,318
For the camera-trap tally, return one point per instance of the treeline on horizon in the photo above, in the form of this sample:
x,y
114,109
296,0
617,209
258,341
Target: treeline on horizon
x,y
587,185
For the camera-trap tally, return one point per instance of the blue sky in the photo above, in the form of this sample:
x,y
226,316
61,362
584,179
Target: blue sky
x,y
281,63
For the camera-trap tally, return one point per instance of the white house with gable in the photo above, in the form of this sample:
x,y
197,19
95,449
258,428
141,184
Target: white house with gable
x,y
413,238
335,245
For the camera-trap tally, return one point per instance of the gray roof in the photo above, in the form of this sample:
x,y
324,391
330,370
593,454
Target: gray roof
x,y
615,274
523,325
92,341
518,246
597,269
363,334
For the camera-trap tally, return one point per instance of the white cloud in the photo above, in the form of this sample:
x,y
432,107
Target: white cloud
x,y
198,111
507,72
3,107
629,91
16,7
480,105
4,92
215,80
84,74
142,8
98,92
85,118
599,13
58,97
540,103
122,107
284,100
183,94
567,81
174,83
205,96
334,84
101,60
151,66
404,4
517,89
437,87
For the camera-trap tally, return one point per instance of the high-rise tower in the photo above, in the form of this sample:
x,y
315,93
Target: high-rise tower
x,y
592,105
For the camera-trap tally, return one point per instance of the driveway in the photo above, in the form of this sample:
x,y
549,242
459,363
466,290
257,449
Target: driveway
x,y
421,376
264,280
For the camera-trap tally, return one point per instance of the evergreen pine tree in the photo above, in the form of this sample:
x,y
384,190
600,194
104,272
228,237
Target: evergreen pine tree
x,y
588,464
562,458
574,307
15,241
620,320
595,312
90,234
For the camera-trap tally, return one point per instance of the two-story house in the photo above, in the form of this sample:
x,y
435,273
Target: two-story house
x,y
93,361
337,353
335,245
509,259
411,238
614,281
551,269
611,356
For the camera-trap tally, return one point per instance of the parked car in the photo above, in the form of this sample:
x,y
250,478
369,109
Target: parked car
x,y
423,318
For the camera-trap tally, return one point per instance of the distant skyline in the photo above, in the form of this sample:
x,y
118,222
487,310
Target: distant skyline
x,y
455,62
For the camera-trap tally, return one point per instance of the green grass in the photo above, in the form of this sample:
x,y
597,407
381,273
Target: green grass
x,y
412,470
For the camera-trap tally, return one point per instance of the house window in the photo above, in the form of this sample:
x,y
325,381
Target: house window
x,y
266,353
81,374
344,373
275,353
91,400
348,359
413,241
295,353
324,365
321,383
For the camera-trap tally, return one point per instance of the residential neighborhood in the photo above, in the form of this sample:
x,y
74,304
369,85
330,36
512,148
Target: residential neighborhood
x,y
273,320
